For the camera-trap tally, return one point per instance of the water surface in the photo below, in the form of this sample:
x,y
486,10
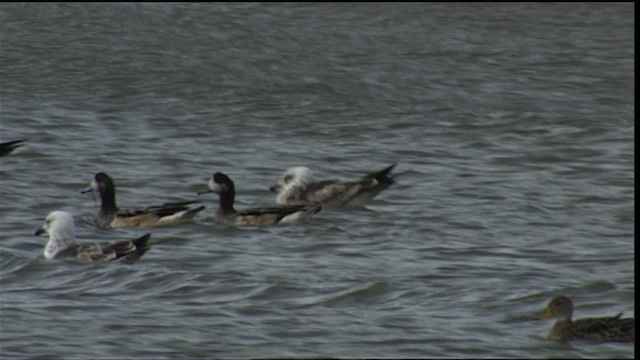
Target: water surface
x,y
512,126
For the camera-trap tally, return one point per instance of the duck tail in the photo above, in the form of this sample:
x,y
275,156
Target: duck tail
x,y
141,245
306,211
315,208
7,147
383,176
191,213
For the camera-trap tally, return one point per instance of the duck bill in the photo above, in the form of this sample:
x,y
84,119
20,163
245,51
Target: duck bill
x,y
546,314
88,190
40,231
204,192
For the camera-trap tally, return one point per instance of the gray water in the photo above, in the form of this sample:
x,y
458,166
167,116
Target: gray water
x,y
512,126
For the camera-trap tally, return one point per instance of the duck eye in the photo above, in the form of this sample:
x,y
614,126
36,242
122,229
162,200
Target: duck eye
x,y
288,178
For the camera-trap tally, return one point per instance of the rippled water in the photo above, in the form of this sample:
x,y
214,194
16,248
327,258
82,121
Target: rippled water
x,y
512,126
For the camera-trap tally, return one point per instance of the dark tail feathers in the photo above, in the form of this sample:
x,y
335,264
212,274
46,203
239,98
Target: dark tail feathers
x,y
7,147
141,246
383,176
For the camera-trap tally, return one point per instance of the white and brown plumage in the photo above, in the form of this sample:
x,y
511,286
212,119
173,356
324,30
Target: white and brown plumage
x,y
110,216
226,214
62,242
298,187
600,329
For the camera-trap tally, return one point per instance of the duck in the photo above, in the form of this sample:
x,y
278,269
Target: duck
x,y
7,148
60,227
598,329
221,184
110,216
297,186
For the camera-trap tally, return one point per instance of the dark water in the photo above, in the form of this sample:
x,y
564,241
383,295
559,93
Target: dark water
x,y
512,126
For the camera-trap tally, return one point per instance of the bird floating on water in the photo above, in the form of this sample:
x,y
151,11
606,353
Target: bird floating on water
x,y
110,216
226,213
599,329
62,242
298,187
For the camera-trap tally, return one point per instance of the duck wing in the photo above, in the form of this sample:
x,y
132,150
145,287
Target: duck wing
x,y
349,193
276,215
280,210
128,250
611,328
330,191
165,209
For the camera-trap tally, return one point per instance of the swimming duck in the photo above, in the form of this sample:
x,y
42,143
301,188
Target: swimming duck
x,y
7,148
62,242
226,214
600,329
298,187
110,216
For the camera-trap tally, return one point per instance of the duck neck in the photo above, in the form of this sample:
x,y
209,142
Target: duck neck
x,y
108,200
227,198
